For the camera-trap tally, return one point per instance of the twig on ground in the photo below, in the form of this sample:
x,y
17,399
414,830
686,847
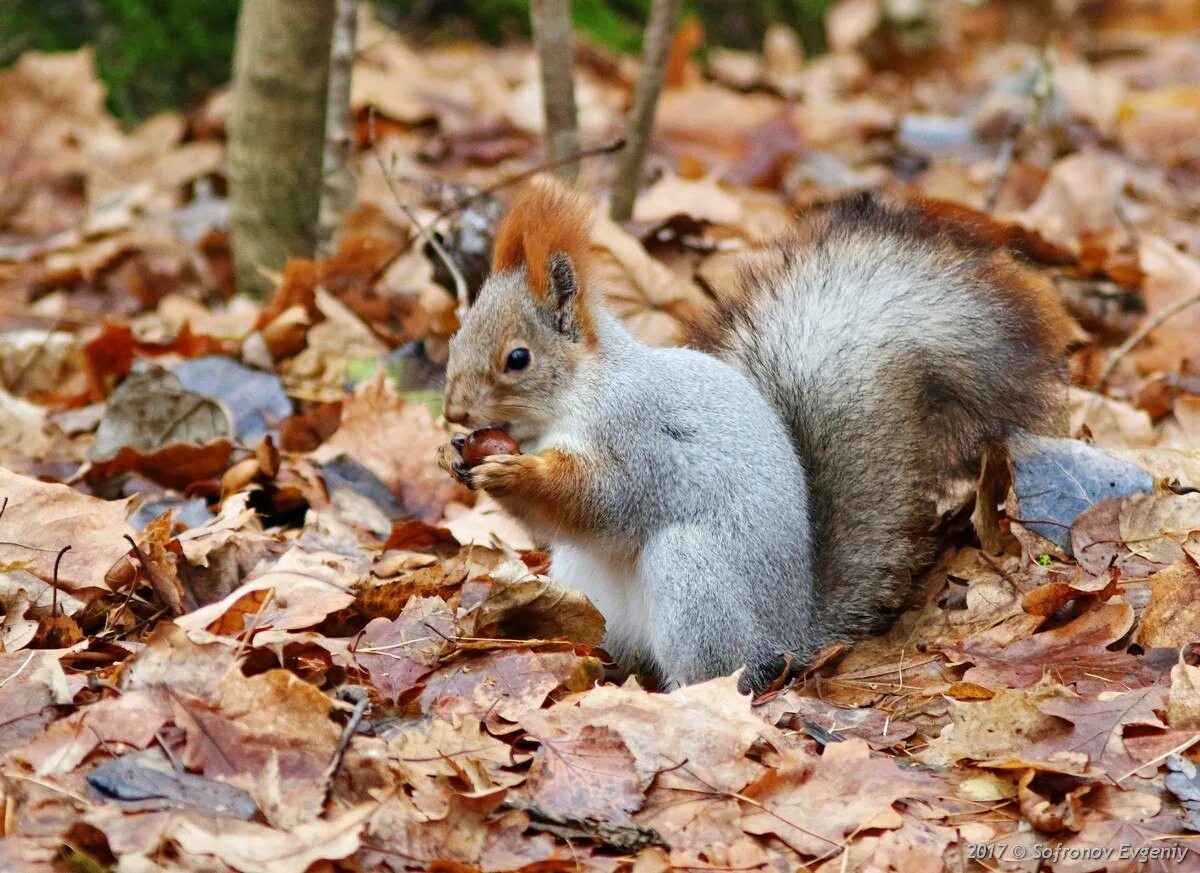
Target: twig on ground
x,y
424,233
54,594
1141,333
603,149
657,47
551,20
339,753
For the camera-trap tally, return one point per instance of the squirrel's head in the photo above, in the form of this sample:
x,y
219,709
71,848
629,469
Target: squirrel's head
x,y
513,360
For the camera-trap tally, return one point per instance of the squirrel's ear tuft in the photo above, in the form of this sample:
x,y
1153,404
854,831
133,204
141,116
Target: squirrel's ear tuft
x,y
547,226
564,283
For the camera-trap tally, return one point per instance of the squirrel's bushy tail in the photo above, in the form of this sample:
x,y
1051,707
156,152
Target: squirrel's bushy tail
x,y
896,347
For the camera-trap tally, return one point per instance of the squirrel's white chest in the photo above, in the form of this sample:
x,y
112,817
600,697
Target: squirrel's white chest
x,y
614,587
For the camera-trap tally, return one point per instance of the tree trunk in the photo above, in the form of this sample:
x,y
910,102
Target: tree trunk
x,y
552,40
277,134
338,190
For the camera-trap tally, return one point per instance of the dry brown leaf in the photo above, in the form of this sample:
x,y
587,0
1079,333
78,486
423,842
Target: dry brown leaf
x,y
652,300
396,441
584,772
1098,726
1073,653
255,848
1159,527
1183,702
319,371
31,684
398,654
40,519
1172,617
272,721
296,591
999,729
813,804
509,684
701,200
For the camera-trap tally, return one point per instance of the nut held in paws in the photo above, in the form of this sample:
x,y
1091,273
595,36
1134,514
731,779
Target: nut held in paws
x,y
487,441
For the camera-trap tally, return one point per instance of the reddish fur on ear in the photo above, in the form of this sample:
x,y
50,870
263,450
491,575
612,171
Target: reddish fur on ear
x,y
545,219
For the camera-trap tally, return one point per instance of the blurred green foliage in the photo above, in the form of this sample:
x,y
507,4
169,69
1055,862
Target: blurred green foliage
x,y
150,53
154,54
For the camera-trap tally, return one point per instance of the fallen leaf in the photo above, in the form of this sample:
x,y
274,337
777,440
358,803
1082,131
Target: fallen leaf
x,y
813,804
585,773
296,591
40,519
396,441
398,654
1172,617
255,848
1073,653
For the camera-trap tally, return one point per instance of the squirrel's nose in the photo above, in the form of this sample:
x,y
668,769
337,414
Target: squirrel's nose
x,y
455,415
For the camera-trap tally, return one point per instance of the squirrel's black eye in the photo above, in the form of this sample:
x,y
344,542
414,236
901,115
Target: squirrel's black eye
x,y
518,359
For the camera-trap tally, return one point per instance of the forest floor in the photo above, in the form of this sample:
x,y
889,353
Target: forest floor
x,y
249,625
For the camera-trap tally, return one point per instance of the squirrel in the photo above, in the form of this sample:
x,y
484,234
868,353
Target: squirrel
x,y
748,501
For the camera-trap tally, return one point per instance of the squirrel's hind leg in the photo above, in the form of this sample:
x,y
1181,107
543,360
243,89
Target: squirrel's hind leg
x,y
706,621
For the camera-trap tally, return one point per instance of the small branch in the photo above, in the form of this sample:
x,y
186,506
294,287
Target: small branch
x,y
551,21
423,233
1142,332
337,182
603,149
655,51
339,753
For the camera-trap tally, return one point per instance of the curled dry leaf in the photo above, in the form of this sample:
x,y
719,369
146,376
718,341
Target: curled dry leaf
x,y
256,848
296,591
1172,617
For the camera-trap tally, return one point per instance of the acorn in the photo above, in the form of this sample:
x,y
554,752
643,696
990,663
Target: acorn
x,y
481,443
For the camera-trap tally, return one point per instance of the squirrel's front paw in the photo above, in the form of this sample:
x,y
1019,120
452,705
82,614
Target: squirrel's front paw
x,y
451,460
500,474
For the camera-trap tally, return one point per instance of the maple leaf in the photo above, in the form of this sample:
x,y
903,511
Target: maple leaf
x,y
812,805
